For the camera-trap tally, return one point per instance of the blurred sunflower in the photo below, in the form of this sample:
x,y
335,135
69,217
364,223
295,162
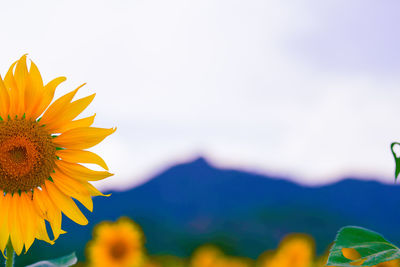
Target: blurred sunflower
x,y
212,256
206,256
295,250
151,263
233,262
40,148
116,244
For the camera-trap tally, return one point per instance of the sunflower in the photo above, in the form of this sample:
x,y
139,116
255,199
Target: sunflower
x,y
212,256
41,146
118,244
233,262
206,256
295,250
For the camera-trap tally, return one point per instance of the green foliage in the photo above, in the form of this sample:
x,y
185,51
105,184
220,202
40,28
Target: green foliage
x,y
396,159
168,261
65,261
372,248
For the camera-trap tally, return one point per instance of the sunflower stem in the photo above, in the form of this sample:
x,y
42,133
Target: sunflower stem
x,y
9,254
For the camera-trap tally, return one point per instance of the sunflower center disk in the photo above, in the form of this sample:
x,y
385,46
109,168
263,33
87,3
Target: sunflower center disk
x,y
18,154
118,250
27,155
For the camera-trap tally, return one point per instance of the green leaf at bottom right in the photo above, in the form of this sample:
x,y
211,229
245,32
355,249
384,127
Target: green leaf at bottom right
x,y
357,246
65,261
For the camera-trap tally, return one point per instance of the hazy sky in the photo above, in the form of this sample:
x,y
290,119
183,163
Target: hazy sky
x,y
309,89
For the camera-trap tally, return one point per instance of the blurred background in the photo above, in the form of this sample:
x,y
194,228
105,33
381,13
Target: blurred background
x,y
239,122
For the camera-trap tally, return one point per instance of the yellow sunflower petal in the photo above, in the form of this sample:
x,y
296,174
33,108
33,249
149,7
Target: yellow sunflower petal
x,y
81,156
4,100
67,205
20,206
39,203
83,137
85,122
14,224
30,223
45,98
15,81
73,188
41,231
9,78
12,88
4,233
20,76
35,78
57,108
34,90
80,172
71,112
49,211
93,190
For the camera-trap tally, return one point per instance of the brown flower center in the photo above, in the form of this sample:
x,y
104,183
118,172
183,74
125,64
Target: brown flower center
x,y
18,154
118,250
27,155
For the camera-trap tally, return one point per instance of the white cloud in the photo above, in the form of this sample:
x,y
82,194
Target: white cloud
x,y
357,36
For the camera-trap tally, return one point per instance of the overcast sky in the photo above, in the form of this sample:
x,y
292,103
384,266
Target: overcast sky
x,y
309,89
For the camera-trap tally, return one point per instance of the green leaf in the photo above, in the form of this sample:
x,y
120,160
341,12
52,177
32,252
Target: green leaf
x,y
372,248
396,159
65,261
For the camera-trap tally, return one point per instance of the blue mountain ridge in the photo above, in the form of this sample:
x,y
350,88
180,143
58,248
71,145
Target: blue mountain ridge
x,y
245,214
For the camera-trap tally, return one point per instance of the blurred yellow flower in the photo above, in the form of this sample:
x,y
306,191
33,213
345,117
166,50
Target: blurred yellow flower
x,y
150,263
206,256
232,262
295,250
211,256
118,244
40,147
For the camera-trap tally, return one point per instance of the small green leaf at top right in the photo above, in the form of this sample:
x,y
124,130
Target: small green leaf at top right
x,y
396,159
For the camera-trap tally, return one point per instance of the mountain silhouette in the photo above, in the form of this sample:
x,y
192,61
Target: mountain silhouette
x,y
244,213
